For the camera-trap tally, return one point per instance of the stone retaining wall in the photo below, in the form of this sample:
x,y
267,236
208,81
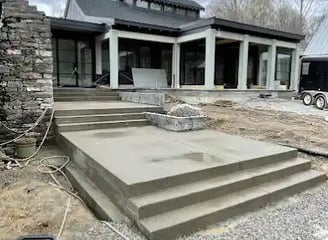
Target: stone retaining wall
x,y
157,99
26,68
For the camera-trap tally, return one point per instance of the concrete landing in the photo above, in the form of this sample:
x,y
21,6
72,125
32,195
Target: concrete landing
x,y
170,184
144,154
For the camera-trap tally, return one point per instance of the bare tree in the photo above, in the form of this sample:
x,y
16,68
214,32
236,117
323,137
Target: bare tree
x,y
298,16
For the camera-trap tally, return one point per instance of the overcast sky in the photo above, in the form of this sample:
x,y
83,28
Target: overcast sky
x,y
51,7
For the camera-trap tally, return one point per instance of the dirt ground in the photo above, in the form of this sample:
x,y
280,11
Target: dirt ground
x,y
281,127
29,204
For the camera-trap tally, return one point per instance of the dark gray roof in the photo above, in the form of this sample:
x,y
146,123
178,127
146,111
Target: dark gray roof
x,y
123,11
240,28
76,26
182,3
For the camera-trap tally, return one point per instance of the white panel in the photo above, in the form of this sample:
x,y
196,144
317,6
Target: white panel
x,y
149,78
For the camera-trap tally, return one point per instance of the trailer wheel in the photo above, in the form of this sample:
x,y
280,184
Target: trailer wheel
x,y
321,102
307,99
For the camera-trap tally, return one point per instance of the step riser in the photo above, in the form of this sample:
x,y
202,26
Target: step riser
x,y
104,180
106,111
147,187
173,232
98,209
99,118
172,204
87,98
83,94
91,126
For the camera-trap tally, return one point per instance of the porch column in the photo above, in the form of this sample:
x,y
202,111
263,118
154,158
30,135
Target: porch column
x,y
113,58
98,58
210,58
243,63
295,69
272,59
176,66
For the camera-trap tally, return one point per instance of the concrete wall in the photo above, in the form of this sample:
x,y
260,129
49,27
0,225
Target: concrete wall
x,y
26,68
196,96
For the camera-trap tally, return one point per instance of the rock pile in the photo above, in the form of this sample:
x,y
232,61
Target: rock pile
x,y
185,110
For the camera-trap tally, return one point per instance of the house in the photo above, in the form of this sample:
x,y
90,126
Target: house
x,y
166,44
314,74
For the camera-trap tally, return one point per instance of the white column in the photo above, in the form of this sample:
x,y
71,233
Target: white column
x,y
113,58
98,58
295,69
272,59
243,63
176,65
210,58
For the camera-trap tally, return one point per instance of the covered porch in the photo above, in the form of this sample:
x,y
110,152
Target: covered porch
x,y
211,54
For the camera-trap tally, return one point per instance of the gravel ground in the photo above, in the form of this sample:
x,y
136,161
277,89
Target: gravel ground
x,y
302,217
284,105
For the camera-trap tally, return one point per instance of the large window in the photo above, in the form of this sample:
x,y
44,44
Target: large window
x,y
180,11
105,56
283,68
155,6
226,63
192,13
141,3
193,63
168,9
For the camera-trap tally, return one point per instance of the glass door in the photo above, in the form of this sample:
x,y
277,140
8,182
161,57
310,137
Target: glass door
x,y
73,63
67,67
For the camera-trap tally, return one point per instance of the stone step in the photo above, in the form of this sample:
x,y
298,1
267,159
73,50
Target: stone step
x,y
107,111
98,118
101,125
169,225
95,199
169,199
86,98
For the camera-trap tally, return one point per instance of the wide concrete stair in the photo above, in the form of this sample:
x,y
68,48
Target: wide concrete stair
x,y
169,207
84,118
84,94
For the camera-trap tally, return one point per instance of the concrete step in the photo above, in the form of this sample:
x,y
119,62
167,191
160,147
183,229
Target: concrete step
x,y
207,173
102,207
85,93
86,98
169,225
107,111
98,118
101,125
151,204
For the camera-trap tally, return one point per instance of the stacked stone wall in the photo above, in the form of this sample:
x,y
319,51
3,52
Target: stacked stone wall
x,y
26,68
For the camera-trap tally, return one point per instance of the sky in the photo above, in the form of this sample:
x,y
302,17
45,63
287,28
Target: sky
x,y
54,7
